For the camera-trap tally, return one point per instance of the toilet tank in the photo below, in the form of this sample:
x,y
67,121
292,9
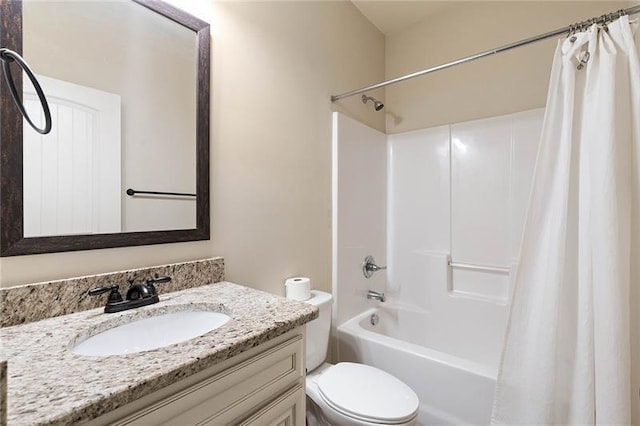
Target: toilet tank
x,y
318,329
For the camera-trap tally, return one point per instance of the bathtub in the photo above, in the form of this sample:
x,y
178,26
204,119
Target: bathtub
x,y
454,386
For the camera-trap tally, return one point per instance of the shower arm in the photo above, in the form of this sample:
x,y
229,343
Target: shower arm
x,y
604,19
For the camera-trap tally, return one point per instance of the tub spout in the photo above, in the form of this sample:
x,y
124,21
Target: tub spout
x,y
375,295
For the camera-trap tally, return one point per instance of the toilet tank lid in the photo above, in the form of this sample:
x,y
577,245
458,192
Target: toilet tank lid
x,y
319,298
368,393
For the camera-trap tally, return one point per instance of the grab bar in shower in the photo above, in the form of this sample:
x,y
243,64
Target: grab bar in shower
x,y
497,269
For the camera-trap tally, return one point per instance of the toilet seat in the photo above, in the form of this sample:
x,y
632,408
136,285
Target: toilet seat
x,y
367,394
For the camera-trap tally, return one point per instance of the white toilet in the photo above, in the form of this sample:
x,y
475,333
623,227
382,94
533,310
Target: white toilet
x,y
348,394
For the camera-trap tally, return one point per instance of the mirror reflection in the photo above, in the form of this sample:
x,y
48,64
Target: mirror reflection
x,y
120,80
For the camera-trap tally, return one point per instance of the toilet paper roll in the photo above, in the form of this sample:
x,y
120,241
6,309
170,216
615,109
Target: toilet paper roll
x,y
298,288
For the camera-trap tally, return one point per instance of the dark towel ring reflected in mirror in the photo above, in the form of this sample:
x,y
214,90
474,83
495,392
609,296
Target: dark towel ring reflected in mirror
x,y
7,56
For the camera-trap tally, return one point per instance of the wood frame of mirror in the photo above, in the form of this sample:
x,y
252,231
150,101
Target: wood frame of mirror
x,y
12,240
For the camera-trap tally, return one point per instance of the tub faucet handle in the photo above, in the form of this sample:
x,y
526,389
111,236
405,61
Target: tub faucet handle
x,y
369,267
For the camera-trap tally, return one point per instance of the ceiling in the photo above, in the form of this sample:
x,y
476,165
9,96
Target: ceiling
x,y
391,16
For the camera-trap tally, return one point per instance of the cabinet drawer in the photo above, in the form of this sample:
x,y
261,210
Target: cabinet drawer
x,y
231,393
286,410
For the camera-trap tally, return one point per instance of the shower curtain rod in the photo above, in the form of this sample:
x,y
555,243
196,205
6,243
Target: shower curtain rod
x,y
569,29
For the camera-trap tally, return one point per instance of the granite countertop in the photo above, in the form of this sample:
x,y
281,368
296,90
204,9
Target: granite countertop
x,y
48,384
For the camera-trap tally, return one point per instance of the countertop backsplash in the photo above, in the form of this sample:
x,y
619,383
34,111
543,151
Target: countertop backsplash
x,y
34,302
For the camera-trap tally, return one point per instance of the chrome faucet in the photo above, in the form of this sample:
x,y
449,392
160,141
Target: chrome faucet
x,y
375,295
369,267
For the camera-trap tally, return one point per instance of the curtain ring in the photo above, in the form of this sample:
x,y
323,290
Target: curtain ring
x,y
571,36
7,56
584,58
572,30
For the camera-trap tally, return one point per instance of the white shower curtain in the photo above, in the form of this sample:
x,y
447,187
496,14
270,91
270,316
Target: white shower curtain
x,y
572,340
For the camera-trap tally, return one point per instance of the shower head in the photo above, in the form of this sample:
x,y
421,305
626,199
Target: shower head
x,y
377,105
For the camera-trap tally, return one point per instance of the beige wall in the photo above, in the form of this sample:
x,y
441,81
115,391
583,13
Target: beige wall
x,y
274,66
279,63
509,82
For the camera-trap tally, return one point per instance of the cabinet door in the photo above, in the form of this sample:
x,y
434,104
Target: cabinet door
x,y
286,410
223,396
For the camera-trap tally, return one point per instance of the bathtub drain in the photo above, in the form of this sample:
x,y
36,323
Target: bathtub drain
x,y
375,319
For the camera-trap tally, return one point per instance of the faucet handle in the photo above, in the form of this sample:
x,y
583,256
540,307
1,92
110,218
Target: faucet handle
x,y
114,295
369,267
158,280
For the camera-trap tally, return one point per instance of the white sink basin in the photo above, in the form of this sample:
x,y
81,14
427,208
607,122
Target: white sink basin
x,y
151,333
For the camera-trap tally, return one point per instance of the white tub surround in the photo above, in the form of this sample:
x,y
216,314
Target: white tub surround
x,y
48,384
359,213
460,191
454,194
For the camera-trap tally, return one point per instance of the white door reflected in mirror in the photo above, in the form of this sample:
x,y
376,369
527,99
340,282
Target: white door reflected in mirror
x,y
72,175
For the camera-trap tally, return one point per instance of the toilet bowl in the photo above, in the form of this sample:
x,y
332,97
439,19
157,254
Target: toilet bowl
x,y
350,394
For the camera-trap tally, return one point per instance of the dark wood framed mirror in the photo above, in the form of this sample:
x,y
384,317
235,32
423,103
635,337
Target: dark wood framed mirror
x,y
12,205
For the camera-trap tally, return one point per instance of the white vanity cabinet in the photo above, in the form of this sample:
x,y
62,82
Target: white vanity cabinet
x,y
262,386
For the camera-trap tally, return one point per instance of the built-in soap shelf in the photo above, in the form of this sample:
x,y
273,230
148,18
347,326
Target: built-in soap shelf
x,y
482,282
